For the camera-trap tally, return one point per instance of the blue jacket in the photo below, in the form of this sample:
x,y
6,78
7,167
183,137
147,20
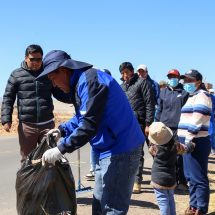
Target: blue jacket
x,y
155,87
211,130
103,116
169,106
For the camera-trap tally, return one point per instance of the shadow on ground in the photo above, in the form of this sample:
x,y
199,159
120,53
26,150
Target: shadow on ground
x,y
136,203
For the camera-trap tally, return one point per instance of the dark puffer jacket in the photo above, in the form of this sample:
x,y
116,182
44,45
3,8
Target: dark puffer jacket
x,y
141,97
34,98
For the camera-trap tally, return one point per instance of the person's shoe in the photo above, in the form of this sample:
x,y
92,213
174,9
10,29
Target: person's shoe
x,y
90,176
199,213
190,211
136,188
212,152
182,187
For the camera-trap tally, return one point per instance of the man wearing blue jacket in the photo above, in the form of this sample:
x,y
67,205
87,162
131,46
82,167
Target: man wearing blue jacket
x,y
105,119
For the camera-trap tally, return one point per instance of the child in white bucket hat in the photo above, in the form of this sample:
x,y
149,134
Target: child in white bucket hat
x,y
163,174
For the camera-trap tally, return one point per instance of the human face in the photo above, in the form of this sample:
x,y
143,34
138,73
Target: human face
x,y
197,83
34,61
126,75
142,73
61,78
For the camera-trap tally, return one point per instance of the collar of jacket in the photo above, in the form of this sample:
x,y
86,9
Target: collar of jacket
x,y
133,79
178,88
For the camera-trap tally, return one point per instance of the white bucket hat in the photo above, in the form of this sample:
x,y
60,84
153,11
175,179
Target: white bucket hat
x,y
159,133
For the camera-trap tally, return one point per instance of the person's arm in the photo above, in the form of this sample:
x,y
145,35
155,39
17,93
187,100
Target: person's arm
x,y
93,98
8,102
200,117
159,108
148,97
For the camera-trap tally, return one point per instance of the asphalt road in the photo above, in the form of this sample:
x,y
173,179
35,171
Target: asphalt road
x,y
10,163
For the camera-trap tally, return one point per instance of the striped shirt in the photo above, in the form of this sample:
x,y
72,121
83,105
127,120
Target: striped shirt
x,y
195,116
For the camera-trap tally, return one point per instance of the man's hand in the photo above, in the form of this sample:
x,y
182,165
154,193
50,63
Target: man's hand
x,y
147,131
55,133
7,126
153,150
51,156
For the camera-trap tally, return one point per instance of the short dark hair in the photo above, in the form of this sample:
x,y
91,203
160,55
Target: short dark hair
x,y
126,65
33,49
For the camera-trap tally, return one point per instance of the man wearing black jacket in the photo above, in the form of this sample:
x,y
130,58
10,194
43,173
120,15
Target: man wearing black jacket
x,y
34,101
141,97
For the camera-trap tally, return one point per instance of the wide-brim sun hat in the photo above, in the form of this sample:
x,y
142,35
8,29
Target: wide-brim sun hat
x,y
159,133
57,58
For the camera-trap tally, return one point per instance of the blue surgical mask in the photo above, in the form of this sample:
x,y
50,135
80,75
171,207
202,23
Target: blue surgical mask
x,y
190,87
173,82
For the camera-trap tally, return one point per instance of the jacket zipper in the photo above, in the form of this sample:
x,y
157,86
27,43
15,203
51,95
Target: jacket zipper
x,y
37,101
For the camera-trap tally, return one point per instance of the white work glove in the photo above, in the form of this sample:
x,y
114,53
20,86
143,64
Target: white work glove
x,y
55,133
51,156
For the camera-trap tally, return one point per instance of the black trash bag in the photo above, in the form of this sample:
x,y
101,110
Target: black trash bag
x,y
45,190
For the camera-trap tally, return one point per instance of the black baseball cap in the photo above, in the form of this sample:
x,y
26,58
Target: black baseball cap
x,y
192,74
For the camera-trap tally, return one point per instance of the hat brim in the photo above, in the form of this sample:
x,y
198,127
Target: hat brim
x,y
69,63
187,76
168,138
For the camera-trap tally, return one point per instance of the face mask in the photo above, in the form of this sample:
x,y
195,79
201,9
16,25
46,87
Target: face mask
x,y
173,82
190,87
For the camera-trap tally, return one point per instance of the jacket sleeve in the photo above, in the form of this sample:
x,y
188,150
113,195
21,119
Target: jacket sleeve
x,y
148,96
61,96
8,100
159,108
93,97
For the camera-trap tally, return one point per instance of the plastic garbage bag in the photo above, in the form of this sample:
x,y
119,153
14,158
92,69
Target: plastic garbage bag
x,y
45,190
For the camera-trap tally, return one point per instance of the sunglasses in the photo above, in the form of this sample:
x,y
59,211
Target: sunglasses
x,y
35,59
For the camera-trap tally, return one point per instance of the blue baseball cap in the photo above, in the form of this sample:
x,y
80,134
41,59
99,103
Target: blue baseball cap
x,y
57,58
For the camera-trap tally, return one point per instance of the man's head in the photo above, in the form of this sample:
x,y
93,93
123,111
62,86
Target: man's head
x,y
127,71
173,77
142,71
33,57
59,66
192,80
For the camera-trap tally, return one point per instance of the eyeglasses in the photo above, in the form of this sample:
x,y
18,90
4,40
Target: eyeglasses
x,y
35,59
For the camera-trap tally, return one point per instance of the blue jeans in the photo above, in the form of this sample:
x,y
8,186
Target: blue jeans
x,y
196,172
93,158
114,180
166,202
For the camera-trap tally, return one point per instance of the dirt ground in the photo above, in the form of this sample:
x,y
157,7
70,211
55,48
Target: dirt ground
x,y
145,202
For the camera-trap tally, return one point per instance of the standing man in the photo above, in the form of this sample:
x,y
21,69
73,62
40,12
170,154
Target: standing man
x,y
140,95
105,119
142,71
170,102
34,101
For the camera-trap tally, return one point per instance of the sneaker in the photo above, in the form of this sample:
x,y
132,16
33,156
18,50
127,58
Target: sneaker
x,y
90,176
212,151
190,211
136,188
199,213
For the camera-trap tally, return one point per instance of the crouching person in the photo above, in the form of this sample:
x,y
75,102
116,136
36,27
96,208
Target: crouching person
x,y
105,119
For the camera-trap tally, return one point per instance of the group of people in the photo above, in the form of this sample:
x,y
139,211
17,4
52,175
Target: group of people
x,y
117,121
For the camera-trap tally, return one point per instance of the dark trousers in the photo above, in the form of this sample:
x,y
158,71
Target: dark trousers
x,y
180,177
30,135
196,171
139,175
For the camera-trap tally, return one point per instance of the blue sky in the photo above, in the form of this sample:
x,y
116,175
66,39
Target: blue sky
x,y
163,34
